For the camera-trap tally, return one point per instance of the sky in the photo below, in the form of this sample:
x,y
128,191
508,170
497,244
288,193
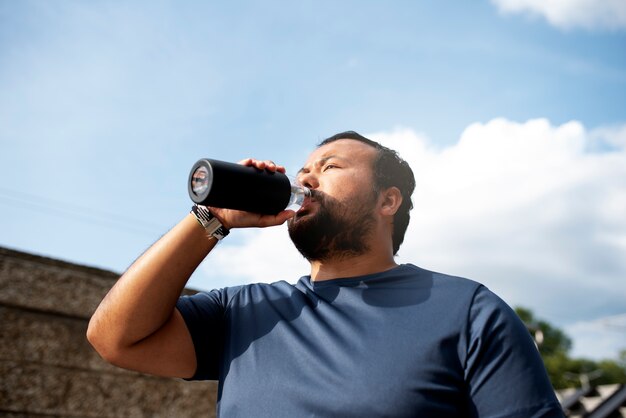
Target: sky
x,y
512,114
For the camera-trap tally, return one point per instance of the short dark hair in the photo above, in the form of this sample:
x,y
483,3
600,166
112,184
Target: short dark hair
x,y
389,170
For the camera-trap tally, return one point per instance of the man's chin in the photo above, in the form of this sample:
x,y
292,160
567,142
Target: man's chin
x,y
299,220
303,226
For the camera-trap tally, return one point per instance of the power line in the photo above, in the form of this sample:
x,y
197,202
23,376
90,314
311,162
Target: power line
x,y
76,212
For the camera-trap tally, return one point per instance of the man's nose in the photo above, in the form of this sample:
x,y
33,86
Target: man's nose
x,y
308,180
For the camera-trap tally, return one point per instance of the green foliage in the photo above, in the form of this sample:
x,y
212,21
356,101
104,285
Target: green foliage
x,y
564,371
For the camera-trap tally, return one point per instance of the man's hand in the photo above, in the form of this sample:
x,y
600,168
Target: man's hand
x,y
239,219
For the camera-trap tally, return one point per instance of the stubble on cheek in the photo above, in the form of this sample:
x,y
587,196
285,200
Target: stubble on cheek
x,y
333,229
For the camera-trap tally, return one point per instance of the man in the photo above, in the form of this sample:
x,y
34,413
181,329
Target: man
x,y
359,337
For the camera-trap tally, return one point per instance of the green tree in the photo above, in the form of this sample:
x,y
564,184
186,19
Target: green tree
x,y
564,371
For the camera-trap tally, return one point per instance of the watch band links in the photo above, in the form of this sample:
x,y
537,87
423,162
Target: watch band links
x,y
209,222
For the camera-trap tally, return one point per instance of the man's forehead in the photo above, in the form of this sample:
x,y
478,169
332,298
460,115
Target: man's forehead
x,y
343,148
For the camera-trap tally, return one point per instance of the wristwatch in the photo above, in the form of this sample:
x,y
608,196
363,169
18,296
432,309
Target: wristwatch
x,y
209,222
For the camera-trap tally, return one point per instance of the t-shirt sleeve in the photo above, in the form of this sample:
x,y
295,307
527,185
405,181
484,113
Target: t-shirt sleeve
x,y
503,368
204,316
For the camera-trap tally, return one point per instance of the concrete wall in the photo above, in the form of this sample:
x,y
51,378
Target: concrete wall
x,y
48,368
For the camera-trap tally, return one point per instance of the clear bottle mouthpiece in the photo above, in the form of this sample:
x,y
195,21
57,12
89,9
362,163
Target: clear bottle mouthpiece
x,y
298,194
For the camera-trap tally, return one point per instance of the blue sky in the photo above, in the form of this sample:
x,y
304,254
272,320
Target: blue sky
x,y
512,114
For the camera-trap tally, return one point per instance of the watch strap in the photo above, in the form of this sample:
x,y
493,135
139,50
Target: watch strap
x,y
209,222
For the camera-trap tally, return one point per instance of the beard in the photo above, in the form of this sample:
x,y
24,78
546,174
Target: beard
x,y
337,230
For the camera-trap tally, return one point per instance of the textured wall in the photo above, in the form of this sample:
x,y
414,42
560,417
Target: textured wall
x,y
47,366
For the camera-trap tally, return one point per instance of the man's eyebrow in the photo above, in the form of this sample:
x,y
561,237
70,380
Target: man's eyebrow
x,y
323,161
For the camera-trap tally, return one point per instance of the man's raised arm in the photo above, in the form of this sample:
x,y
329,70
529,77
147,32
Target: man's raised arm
x,y
137,325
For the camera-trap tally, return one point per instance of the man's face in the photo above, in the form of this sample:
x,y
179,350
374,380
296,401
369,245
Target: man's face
x,y
337,219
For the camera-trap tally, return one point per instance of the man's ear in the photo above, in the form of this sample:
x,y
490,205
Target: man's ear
x,y
390,200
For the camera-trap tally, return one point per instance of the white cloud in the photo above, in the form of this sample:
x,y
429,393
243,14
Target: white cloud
x,y
567,14
602,337
266,255
609,136
525,208
525,197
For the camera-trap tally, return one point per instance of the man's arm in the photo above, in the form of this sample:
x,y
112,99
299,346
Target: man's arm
x,y
137,325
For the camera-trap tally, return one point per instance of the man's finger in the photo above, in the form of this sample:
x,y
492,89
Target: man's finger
x,y
268,165
272,220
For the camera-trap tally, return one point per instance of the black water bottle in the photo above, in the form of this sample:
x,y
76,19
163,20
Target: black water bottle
x,y
234,186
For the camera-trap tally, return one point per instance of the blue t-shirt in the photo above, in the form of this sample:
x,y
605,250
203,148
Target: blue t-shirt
x,y
403,343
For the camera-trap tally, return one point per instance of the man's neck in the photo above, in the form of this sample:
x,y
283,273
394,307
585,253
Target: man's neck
x,y
346,266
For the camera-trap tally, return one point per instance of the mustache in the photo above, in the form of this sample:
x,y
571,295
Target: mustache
x,y
316,195
324,201
321,197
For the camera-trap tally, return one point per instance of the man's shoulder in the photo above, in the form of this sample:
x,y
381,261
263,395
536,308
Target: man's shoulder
x,y
442,280
225,295
260,290
269,286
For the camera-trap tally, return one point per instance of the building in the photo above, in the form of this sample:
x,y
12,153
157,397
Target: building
x,y
606,401
47,366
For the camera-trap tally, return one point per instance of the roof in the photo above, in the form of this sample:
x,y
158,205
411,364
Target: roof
x,y
606,401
